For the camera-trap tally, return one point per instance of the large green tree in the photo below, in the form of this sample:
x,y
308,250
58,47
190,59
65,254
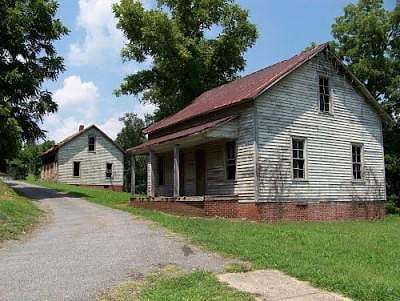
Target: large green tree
x,y
367,39
27,58
177,37
131,135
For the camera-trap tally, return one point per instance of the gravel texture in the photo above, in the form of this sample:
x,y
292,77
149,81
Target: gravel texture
x,y
86,248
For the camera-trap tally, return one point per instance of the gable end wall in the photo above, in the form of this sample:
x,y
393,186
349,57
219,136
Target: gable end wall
x,y
291,108
93,165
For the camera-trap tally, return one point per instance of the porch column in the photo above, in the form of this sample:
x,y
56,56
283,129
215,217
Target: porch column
x,y
133,175
152,174
176,171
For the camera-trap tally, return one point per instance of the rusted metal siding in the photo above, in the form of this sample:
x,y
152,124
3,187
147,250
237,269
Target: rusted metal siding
x,y
93,164
291,108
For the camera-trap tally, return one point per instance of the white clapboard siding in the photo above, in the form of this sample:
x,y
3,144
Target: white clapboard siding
x,y
93,164
291,108
245,162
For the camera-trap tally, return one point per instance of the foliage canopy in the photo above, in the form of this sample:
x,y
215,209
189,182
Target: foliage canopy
x,y
27,58
186,61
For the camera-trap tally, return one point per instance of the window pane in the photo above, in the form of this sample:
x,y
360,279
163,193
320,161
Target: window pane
x,y
91,144
76,169
109,170
357,161
324,104
230,160
298,161
231,171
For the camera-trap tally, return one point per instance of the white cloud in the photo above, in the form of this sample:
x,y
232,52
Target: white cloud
x,y
102,38
142,109
111,126
58,127
79,95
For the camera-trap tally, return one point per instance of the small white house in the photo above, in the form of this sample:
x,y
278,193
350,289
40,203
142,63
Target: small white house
x,y
88,157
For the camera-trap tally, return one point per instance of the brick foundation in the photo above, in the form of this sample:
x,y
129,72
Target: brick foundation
x,y
312,211
271,211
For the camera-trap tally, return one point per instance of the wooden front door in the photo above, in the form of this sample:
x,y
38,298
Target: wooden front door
x,y
200,172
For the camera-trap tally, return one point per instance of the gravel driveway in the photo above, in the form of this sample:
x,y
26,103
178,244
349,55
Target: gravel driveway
x,y
86,248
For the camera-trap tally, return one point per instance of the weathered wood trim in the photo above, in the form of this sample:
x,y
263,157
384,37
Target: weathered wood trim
x,y
256,159
176,171
133,175
152,174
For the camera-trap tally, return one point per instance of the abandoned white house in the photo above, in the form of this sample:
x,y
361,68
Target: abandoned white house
x,y
300,140
88,157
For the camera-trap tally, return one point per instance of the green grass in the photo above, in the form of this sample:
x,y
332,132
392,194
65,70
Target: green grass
x,y
360,259
171,284
17,214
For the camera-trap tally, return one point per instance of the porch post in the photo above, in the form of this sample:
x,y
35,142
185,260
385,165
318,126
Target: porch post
x,y
176,171
152,174
133,175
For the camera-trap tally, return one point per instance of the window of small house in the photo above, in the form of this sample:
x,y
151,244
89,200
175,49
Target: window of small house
x,y
356,151
77,169
161,171
231,160
324,96
299,162
109,170
92,143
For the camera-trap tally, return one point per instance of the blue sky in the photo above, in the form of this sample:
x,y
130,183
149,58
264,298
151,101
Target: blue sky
x,y
95,69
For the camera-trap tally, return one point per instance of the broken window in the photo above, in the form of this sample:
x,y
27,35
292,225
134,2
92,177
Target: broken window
x,y
92,144
357,161
109,170
77,169
298,146
324,96
231,160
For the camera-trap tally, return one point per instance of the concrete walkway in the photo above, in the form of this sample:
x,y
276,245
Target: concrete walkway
x,y
87,248
271,285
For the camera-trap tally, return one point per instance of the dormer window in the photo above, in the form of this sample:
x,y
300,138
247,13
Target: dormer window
x,y
92,143
324,95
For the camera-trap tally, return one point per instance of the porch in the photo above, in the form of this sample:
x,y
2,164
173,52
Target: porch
x,y
192,165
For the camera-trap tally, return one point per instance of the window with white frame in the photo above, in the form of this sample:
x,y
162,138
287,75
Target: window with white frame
x,y
298,157
356,151
231,160
324,94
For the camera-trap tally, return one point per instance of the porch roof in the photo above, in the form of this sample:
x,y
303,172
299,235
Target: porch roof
x,y
192,131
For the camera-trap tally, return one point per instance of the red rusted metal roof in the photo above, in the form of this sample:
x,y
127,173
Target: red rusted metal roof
x,y
237,91
180,134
